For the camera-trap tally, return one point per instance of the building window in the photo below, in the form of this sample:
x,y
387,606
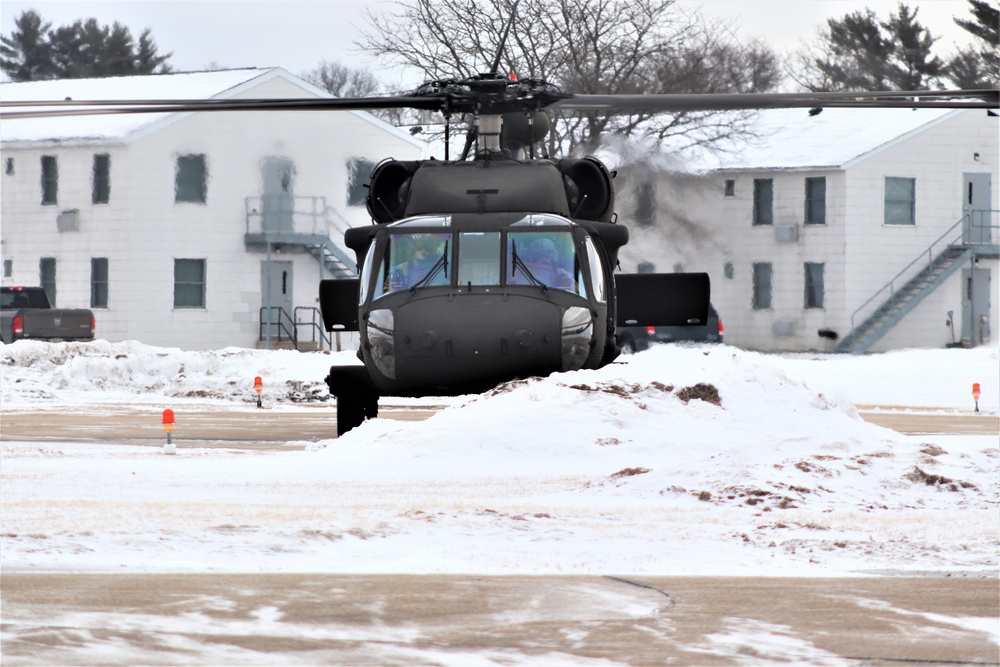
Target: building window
x,y
763,201
47,278
729,189
359,172
645,204
191,179
761,285
8,166
101,182
814,285
8,268
98,282
189,283
50,180
816,201
900,201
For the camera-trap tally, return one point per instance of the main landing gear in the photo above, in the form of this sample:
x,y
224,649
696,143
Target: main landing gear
x,y
357,397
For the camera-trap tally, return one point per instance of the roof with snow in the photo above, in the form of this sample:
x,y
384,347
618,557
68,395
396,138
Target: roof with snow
x,y
833,138
221,84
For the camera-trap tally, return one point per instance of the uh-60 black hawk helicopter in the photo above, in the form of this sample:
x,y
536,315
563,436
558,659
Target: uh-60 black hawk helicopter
x,y
498,264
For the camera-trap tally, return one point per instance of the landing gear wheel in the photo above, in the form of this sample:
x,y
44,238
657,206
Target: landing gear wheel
x,y
353,410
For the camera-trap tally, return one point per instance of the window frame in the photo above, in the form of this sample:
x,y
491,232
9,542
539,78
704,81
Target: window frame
x,y
187,287
358,170
759,202
98,282
898,203
815,206
100,184
645,204
814,287
47,278
758,293
50,180
191,187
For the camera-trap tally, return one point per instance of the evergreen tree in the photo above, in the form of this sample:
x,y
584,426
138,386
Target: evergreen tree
x,y
860,52
979,67
25,54
34,51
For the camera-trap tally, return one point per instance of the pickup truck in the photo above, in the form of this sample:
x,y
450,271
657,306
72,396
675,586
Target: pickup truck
x,y
25,313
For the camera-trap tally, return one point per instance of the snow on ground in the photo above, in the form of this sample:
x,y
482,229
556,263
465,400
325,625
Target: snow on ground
x,y
679,460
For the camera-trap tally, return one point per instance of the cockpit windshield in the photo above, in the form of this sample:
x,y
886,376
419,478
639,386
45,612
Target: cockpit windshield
x,y
539,251
543,258
415,259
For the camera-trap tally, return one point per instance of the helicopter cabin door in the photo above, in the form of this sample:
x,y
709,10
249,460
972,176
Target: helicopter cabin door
x,y
278,194
276,300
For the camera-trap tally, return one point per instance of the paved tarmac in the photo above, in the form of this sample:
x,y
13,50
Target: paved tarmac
x,y
86,619
239,619
250,428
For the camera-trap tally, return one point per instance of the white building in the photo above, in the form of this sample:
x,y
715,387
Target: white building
x,y
162,223
826,218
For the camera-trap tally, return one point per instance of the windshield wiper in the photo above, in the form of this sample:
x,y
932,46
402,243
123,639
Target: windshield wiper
x,y
440,265
518,264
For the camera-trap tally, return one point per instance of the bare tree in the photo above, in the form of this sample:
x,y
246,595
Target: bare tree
x,y
343,81
582,46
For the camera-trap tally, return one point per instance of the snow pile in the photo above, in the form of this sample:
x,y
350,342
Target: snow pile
x,y
103,372
678,460
687,425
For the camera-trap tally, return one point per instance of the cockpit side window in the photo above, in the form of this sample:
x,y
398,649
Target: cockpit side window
x,y
366,274
596,272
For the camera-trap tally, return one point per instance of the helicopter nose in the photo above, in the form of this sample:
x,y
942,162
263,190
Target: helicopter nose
x,y
427,340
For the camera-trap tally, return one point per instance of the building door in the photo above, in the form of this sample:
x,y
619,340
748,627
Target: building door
x,y
976,306
976,201
276,300
278,196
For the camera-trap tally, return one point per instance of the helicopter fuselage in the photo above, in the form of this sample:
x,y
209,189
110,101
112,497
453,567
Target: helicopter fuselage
x,y
515,280
497,297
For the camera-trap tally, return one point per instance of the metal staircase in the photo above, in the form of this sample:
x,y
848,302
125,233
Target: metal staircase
x,y
335,260
306,224
889,305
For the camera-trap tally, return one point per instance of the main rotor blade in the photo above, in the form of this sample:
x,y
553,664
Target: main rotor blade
x,y
63,108
460,98
947,99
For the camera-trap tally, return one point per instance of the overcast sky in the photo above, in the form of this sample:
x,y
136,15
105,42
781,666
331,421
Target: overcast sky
x,y
298,35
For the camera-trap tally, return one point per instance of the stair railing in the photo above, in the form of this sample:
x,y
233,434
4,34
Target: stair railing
x,y
310,318
280,322
891,285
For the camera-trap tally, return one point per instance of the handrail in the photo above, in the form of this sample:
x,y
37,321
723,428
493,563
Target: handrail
x,y
980,219
307,214
280,325
313,326
891,285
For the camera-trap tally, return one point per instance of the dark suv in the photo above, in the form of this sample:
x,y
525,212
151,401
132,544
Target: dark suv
x,y
635,339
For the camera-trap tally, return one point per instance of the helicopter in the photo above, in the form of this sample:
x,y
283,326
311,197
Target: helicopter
x,y
517,254
498,264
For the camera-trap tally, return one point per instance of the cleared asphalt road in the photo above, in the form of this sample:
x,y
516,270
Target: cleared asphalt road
x,y
249,428
86,619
